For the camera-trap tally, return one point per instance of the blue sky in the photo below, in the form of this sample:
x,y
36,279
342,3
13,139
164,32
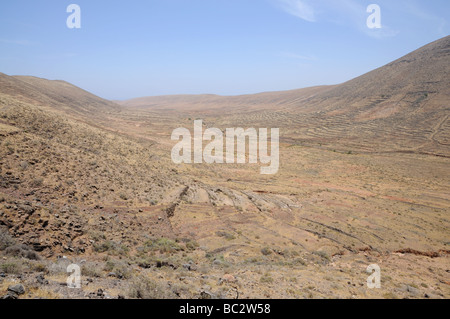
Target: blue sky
x,y
128,49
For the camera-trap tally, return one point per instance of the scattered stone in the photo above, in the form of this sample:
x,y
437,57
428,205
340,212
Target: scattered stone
x,y
217,262
193,267
160,264
100,293
411,290
207,295
27,209
41,279
145,264
190,267
431,296
17,289
10,296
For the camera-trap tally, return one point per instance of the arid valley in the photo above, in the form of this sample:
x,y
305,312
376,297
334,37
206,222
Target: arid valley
x,y
364,179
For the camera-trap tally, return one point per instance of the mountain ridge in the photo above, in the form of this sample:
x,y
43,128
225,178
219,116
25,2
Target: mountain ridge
x,y
372,83
56,94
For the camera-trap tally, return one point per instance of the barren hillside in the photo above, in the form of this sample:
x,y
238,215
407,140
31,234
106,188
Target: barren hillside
x,y
363,179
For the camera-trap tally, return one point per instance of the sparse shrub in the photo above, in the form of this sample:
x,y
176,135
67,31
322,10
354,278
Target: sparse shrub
x,y
24,165
5,239
11,268
144,288
22,250
111,247
91,270
145,263
109,266
38,267
164,245
97,236
59,267
266,251
192,245
181,290
252,260
121,270
37,182
266,278
204,269
299,261
225,235
322,254
104,246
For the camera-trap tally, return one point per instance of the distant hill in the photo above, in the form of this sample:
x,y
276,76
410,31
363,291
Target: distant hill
x,y
205,102
55,94
402,106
